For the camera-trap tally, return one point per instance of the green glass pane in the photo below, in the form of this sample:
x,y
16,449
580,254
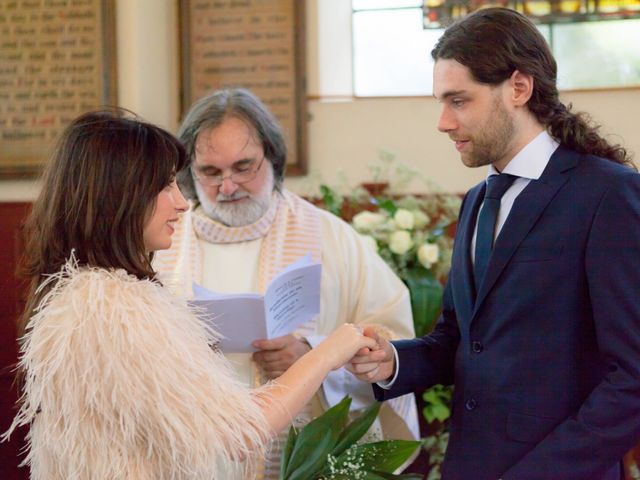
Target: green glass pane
x,y
597,54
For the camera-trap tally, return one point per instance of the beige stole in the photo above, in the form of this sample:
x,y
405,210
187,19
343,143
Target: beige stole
x,y
290,228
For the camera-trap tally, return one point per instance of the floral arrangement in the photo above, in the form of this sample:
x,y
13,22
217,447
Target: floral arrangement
x,y
409,234
417,246
414,235
328,449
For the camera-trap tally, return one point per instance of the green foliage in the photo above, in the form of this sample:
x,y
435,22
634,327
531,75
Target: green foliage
x,y
356,429
288,449
326,449
436,446
437,411
390,476
331,200
310,447
385,456
386,204
426,298
437,401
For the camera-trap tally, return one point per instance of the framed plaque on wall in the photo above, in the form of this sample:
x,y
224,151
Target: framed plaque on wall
x,y
57,60
255,44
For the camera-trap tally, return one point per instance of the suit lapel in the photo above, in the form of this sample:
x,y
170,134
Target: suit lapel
x,y
526,211
464,287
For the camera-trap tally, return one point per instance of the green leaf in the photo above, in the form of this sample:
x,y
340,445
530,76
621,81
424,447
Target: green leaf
x,y
332,201
426,298
316,440
441,412
316,459
372,476
384,456
391,476
357,429
430,396
427,413
387,205
437,401
286,452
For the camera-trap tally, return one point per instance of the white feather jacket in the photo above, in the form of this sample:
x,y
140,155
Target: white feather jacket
x,y
121,383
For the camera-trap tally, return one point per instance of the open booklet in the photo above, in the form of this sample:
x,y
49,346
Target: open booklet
x,y
292,298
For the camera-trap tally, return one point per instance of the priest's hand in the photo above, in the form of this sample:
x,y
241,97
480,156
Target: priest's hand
x,y
278,354
376,365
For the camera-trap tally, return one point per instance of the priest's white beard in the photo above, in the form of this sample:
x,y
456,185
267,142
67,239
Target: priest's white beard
x,y
241,214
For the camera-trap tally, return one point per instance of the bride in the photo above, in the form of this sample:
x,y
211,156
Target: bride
x,y
119,378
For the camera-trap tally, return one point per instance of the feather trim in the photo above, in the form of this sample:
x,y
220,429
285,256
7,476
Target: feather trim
x,y
120,383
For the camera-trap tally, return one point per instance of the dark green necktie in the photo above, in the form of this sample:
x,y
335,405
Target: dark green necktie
x,y
496,186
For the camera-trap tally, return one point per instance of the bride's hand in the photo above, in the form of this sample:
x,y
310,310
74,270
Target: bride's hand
x,y
345,341
373,365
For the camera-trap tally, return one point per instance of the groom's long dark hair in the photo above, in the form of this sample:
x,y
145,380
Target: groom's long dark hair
x,y
493,43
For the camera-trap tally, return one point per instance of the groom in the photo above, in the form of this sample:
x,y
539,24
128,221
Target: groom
x,y
540,329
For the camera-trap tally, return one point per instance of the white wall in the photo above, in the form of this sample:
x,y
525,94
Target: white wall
x,y
148,73
344,134
347,136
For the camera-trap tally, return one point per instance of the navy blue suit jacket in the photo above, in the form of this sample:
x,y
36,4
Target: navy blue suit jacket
x,y
545,357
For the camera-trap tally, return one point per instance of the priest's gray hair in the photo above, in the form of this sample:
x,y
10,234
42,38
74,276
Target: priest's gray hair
x,y
210,111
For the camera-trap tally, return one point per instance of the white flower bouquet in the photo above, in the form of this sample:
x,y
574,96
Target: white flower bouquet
x,y
411,235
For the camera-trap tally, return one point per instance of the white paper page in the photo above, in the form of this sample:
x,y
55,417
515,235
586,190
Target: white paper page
x,y
293,297
239,318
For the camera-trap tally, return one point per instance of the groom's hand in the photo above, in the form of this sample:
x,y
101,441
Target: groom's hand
x,y
373,365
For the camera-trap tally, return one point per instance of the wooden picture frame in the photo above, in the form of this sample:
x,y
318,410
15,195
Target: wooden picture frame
x,y
57,61
255,44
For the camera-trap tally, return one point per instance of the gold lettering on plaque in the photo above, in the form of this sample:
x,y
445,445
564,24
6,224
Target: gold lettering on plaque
x,y
50,53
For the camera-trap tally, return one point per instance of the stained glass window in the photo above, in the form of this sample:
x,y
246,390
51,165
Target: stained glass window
x,y
391,49
439,13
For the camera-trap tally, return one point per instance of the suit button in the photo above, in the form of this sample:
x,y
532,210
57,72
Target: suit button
x,y
471,404
477,347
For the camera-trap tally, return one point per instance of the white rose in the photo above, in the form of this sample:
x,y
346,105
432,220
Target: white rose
x,y
403,219
420,219
400,242
370,242
367,220
428,254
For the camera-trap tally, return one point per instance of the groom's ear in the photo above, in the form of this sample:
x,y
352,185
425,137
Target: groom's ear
x,y
521,88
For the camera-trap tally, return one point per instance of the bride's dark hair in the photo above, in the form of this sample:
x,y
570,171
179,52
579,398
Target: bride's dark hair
x,y
98,189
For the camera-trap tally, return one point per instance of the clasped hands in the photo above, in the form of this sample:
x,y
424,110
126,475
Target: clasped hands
x,y
371,365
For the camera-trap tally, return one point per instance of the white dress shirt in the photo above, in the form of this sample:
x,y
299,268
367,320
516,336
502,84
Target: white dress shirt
x,y
527,165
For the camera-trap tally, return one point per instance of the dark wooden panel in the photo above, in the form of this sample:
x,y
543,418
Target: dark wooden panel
x,y
259,45
12,294
10,456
